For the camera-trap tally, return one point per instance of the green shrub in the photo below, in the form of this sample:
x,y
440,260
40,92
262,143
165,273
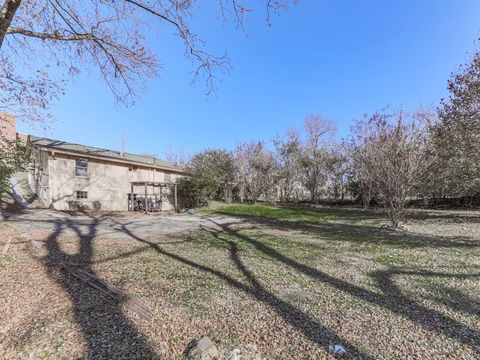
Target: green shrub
x,y
209,176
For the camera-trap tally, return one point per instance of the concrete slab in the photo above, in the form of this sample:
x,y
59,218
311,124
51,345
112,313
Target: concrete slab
x,y
118,226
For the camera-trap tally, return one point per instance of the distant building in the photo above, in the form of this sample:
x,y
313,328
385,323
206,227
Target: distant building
x,y
68,176
7,126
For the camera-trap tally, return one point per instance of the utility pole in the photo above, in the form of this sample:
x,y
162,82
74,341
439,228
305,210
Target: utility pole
x,y
122,153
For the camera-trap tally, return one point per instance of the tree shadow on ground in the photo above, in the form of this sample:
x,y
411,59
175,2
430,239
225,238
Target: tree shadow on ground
x,y
107,332
360,234
445,216
305,323
411,213
391,297
455,299
350,213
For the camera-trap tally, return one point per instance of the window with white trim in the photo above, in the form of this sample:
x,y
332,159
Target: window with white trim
x,y
81,167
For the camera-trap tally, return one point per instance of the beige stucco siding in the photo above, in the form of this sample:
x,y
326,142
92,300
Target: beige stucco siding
x,y
107,182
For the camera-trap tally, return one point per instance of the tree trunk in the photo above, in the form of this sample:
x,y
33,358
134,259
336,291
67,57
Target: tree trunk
x,y
7,13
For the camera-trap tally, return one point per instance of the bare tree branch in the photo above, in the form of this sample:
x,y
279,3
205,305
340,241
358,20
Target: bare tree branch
x,y
105,35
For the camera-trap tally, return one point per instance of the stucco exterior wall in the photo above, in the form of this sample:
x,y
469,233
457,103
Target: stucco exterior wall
x,y
107,182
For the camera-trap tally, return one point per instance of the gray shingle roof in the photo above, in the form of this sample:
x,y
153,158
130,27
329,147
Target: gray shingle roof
x,y
98,152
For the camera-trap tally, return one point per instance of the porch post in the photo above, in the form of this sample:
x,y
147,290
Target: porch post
x,y
130,204
176,206
146,202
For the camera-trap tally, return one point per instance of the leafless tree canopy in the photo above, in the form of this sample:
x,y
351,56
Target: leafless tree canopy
x,y
315,154
45,42
387,159
289,155
390,159
255,172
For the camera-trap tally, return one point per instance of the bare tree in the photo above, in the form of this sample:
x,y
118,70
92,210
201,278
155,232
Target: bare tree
x,y
241,171
289,151
314,154
178,157
256,172
45,42
393,158
359,151
338,167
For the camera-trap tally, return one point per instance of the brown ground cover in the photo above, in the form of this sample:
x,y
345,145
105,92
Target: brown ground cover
x,y
278,283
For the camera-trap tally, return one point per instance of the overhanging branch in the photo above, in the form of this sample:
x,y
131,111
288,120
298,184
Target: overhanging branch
x,y
50,36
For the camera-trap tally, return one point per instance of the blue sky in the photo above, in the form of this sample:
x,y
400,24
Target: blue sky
x,y
337,58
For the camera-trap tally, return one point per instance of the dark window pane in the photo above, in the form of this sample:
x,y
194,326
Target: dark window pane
x,y
82,194
81,171
82,163
81,168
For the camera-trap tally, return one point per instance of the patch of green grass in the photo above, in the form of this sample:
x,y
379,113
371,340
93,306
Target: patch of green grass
x,y
369,248
6,258
374,223
398,260
147,273
389,260
256,242
276,212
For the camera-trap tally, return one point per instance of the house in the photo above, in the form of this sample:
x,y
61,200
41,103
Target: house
x,y
68,176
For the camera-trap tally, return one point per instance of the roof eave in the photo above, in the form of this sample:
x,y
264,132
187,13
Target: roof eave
x,y
112,159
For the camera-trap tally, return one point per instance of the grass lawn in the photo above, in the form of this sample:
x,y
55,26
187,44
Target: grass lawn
x,y
275,212
285,283
296,213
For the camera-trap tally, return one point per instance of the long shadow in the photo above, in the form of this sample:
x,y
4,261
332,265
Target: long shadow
x,y
107,332
470,216
456,300
363,235
305,323
392,298
357,213
106,316
350,213
453,298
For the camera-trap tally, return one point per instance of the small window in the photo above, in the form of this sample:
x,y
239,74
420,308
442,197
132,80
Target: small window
x,y
82,194
132,168
81,167
167,177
